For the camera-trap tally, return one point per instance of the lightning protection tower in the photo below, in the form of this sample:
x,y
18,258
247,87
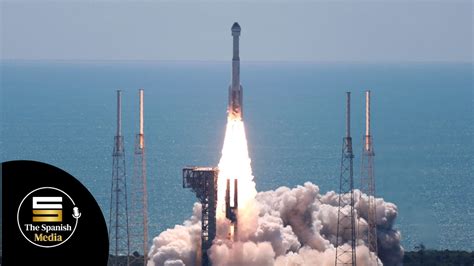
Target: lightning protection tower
x,y
118,221
345,240
368,180
139,201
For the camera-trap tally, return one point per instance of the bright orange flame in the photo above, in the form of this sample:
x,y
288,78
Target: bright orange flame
x,y
235,164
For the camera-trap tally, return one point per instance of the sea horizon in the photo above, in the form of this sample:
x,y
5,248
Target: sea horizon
x,y
62,113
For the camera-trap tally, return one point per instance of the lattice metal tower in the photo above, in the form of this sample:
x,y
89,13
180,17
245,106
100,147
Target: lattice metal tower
x,y
203,181
368,179
118,222
345,251
139,201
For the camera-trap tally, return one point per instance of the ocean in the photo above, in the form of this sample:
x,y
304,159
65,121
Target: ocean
x,y
63,113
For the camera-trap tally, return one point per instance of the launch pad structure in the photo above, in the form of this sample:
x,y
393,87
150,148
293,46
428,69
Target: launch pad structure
x,y
346,254
139,198
368,180
203,182
118,221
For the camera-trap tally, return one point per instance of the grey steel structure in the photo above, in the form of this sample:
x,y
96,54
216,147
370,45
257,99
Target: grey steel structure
x,y
368,179
139,199
119,243
203,181
235,106
346,254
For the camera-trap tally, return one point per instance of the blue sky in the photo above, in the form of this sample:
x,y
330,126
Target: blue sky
x,y
367,31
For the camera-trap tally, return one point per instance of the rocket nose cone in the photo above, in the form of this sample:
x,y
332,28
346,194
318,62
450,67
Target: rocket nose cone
x,y
236,27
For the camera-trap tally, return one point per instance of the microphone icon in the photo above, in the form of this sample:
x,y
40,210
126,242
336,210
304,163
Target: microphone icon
x,y
75,213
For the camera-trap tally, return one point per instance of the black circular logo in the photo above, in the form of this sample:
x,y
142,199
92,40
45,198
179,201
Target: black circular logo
x,y
49,217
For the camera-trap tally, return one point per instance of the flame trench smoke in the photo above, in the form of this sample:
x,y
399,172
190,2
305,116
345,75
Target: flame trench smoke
x,y
281,227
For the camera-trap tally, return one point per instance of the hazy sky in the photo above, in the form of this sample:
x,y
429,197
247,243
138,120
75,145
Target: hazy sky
x,y
371,31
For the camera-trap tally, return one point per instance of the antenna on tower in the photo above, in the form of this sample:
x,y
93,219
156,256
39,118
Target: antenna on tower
x,y
368,180
118,220
139,218
345,240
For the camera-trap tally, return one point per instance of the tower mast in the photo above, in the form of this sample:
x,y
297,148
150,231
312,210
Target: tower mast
x,y
139,218
368,179
118,220
345,240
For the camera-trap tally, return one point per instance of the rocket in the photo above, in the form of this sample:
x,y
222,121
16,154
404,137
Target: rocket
x,y
234,108
231,207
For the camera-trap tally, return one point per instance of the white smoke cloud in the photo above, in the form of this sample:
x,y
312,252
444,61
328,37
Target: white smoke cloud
x,y
180,245
286,227
242,253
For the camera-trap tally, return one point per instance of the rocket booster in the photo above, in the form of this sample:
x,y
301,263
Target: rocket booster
x,y
234,109
231,207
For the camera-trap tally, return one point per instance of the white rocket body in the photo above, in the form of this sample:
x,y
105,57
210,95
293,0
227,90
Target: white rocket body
x,y
235,105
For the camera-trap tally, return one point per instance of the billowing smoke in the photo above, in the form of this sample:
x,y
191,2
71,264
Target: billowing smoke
x,y
293,227
282,227
178,246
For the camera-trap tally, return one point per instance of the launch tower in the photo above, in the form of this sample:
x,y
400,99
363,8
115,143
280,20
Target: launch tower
x,y
203,181
368,179
119,242
345,252
139,202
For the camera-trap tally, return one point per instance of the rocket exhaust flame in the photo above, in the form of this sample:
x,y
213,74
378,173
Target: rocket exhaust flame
x,y
294,226
235,172
275,228
236,188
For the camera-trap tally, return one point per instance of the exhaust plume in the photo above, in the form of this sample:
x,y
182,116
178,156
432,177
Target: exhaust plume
x,y
293,227
286,226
